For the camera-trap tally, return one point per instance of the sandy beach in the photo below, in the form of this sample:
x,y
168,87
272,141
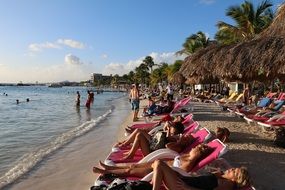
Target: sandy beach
x,y
249,146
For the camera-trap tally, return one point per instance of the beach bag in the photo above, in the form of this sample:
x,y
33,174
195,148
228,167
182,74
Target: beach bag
x,y
158,141
132,185
279,139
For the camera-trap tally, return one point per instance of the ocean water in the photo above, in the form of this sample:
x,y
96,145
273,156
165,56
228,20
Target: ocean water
x,y
31,131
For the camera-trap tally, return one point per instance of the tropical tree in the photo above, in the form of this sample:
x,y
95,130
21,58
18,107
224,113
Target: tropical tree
x,y
148,61
131,76
159,74
248,22
115,80
173,68
194,43
142,74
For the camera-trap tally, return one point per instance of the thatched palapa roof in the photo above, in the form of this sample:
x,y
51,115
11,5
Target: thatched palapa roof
x,y
260,59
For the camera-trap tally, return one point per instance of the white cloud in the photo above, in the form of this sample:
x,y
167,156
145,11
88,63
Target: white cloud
x,y
72,60
124,68
52,73
207,2
71,43
39,47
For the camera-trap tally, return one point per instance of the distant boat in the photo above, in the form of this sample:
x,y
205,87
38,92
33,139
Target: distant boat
x,y
55,85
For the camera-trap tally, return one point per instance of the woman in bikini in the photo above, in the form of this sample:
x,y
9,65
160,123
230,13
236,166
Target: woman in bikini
x,y
229,180
185,162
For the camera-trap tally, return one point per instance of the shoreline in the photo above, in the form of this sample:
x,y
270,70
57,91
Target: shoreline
x,y
71,166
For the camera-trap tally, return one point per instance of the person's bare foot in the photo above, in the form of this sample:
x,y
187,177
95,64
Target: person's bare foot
x,y
119,144
128,130
106,167
98,170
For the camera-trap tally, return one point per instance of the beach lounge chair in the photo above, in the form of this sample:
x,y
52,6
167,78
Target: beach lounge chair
x,y
117,154
249,110
236,99
219,149
176,108
261,116
224,100
275,121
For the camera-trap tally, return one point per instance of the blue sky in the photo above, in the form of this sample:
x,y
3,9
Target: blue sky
x,y
56,40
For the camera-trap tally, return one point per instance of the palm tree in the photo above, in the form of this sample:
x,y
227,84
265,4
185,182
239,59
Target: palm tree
x,y
148,61
249,22
142,74
131,76
194,43
159,74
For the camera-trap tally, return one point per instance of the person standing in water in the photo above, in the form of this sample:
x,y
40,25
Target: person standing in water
x,y
91,97
88,101
78,98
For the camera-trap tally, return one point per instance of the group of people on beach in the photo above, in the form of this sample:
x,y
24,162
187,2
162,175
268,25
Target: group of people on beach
x,y
186,161
174,139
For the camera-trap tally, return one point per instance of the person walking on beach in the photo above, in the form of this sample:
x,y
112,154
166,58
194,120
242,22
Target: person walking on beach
x,y
88,101
170,91
134,97
77,98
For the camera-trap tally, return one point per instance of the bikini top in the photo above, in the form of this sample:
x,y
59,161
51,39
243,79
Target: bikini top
x,y
177,162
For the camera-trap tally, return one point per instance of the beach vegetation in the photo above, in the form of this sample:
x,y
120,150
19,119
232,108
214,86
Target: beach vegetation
x,y
248,21
142,74
159,74
194,42
148,61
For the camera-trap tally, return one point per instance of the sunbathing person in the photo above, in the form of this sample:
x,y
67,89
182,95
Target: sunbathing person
x,y
147,143
229,180
185,161
150,109
166,118
134,132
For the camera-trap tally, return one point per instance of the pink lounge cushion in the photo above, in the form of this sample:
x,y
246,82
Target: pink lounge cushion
x,y
180,104
143,125
275,123
116,157
200,137
191,128
219,149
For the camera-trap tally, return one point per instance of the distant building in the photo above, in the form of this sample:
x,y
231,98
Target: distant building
x,y
99,79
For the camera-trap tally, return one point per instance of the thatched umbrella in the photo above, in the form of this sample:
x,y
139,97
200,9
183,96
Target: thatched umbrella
x,y
260,59
178,78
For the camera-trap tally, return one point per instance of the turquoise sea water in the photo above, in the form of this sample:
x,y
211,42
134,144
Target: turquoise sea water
x,y
30,131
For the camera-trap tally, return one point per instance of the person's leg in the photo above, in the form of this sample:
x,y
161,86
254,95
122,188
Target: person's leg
x,y
163,173
131,138
138,170
139,142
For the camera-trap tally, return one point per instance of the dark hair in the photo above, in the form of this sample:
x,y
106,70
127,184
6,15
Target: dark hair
x,y
179,127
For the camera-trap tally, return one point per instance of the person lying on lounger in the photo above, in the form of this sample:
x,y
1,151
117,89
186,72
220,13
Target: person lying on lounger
x,y
230,179
178,118
147,143
185,161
